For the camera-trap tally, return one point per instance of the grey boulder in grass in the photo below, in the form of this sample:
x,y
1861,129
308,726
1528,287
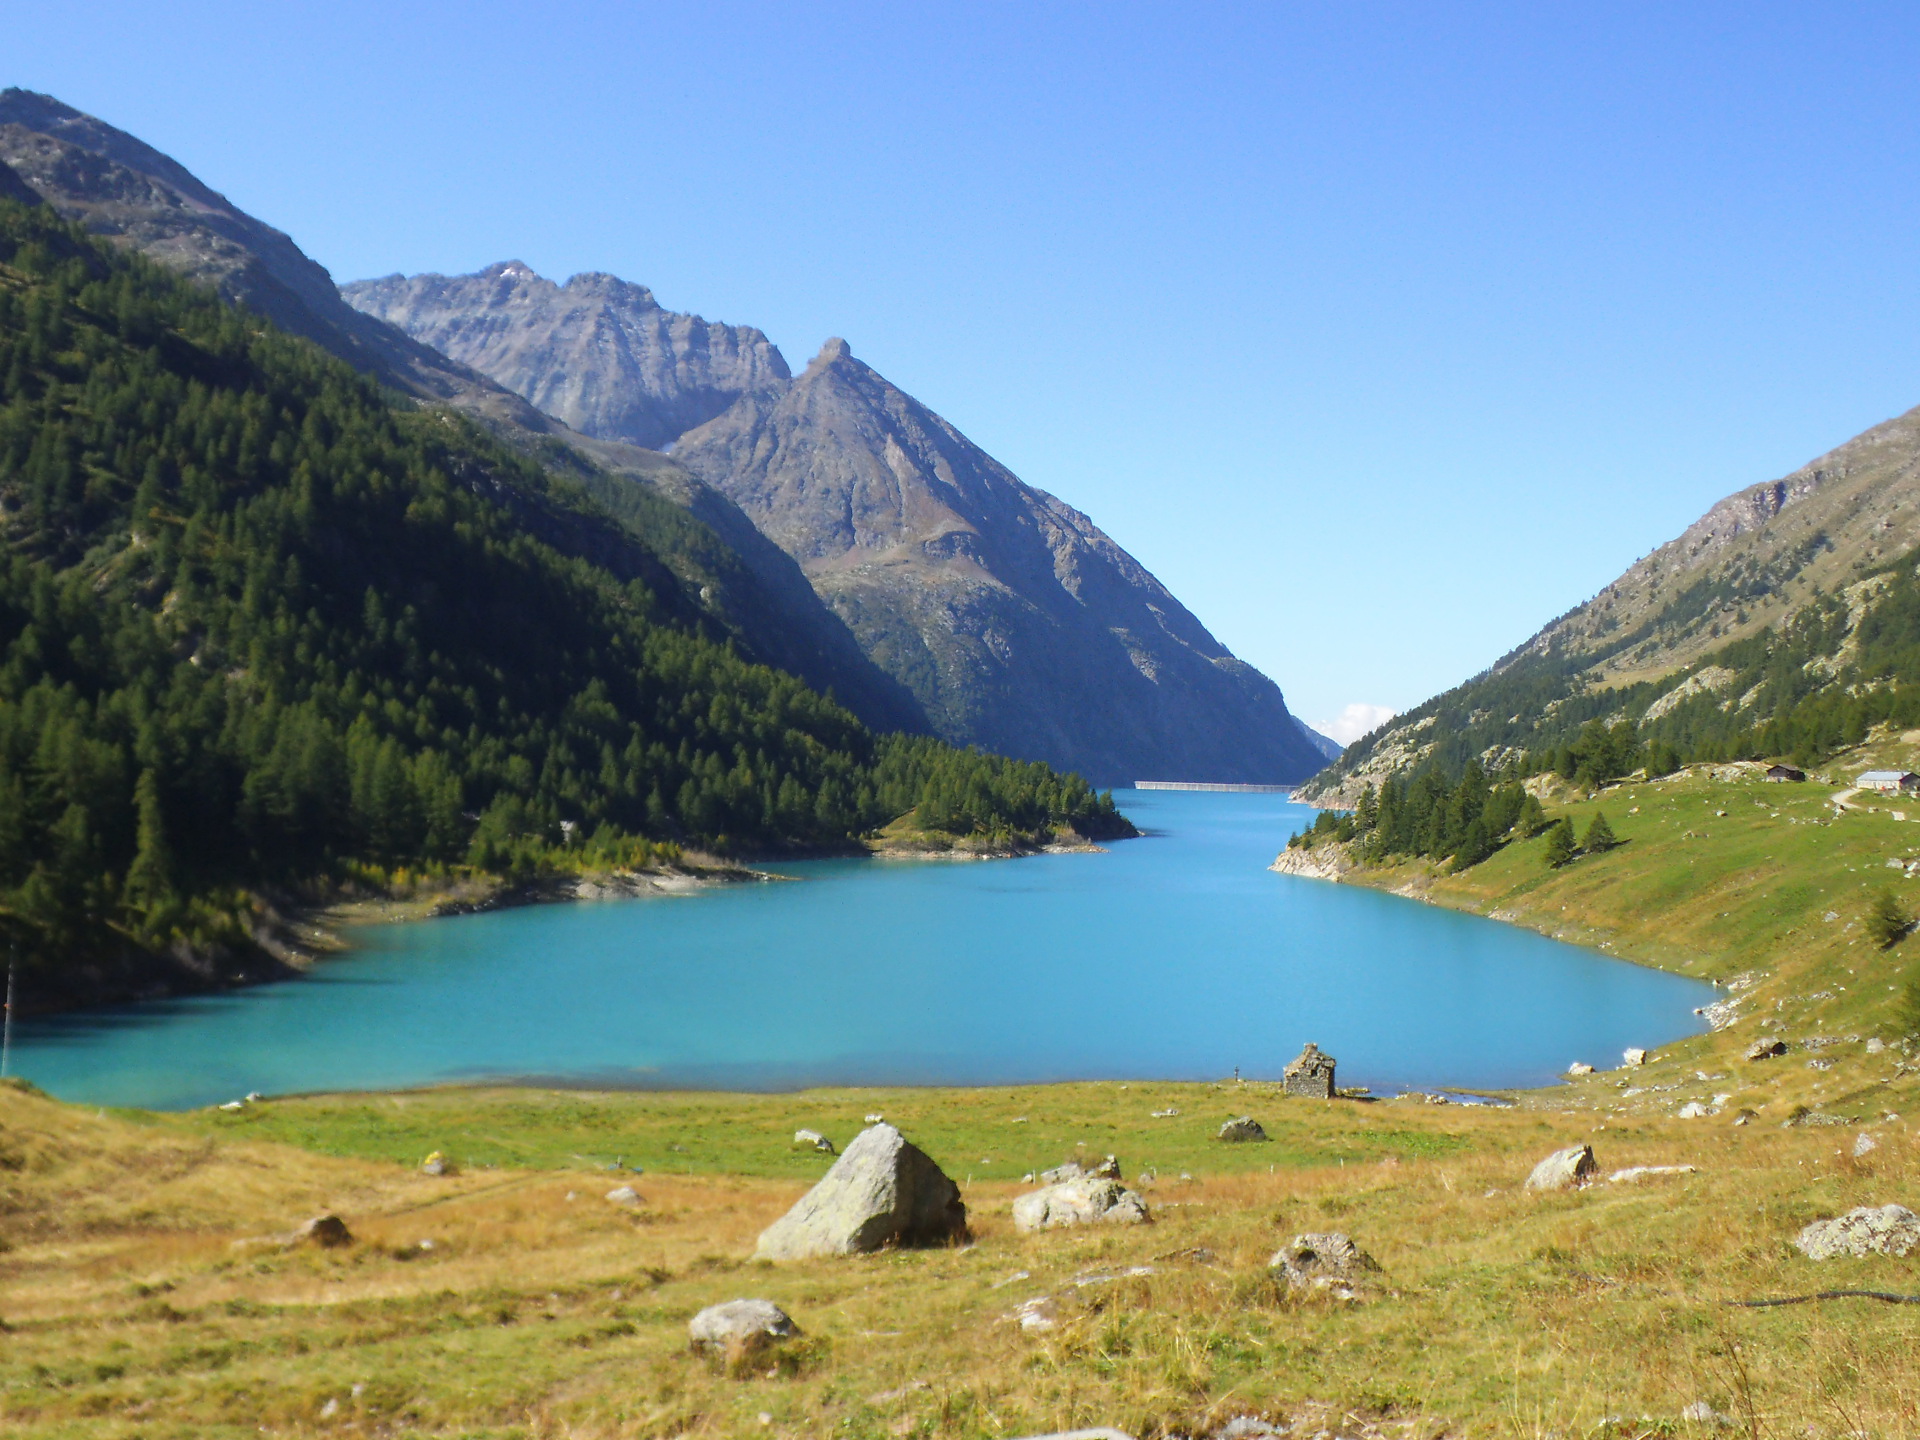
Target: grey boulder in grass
x,y
1088,1200
1887,1230
882,1191
740,1325
1567,1169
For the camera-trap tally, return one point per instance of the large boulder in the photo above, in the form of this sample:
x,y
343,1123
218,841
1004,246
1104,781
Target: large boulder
x,y
1241,1130
1329,1264
740,1325
882,1191
1567,1169
1889,1230
1765,1049
1089,1200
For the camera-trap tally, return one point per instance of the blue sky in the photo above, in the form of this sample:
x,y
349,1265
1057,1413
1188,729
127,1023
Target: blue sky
x,y
1381,333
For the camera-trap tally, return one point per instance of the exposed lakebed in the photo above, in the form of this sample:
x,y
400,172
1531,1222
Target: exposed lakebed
x,y
1175,956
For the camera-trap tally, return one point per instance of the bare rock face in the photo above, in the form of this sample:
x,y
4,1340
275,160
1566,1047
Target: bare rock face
x,y
740,1325
1016,623
1008,619
598,352
1567,1169
1888,1230
1324,1263
1086,1201
882,1191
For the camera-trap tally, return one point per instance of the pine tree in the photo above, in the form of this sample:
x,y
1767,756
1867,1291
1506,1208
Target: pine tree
x,y
1560,848
1533,818
149,884
1887,921
1600,835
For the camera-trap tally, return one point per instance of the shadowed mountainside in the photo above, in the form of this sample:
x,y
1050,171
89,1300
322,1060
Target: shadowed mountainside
x,y
1014,623
124,190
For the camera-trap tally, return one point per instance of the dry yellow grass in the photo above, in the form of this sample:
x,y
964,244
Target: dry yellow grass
x,y
131,1309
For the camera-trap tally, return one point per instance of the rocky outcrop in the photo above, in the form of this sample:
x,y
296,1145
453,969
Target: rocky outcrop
x,y
1088,1200
1327,1263
1888,1230
1567,1169
1328,860
1241,1131
883,1191
597,352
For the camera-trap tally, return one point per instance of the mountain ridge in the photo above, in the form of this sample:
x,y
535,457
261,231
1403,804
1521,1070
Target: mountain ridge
x,y
1013,620
126,191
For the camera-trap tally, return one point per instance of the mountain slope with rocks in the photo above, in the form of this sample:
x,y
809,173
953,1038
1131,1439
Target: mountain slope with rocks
x,y
125,191
1012,621
1666,642
1017,623
597,352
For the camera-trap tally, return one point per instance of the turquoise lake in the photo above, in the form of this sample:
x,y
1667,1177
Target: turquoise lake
x,y
1175,956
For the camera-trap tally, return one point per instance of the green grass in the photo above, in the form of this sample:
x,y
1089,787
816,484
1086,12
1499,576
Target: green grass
x,y
996,1134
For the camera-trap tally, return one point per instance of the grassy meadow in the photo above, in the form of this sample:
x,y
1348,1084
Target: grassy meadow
x,y
147,1287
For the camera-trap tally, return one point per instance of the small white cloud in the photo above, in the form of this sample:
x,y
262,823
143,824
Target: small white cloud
x,y
1356,720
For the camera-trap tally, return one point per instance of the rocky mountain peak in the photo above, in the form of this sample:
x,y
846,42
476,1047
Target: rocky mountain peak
x,y
599,352
834,349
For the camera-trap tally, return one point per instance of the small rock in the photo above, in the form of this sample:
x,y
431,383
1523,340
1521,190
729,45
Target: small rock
x,y
234,1105
1086,1201
877,1119
1329,1263
1701,1413
327,1231
1240,1131
740,1325
1889,1230
1036,1314
882,1191
815,1140
1820,1062
1864,1144
624,1195
1765,1049
1644,1172
331,1408
1634,1055
1693,1110
437,1164
1744,1116
1567,1169
1107,1169
1876,1046
1579,1067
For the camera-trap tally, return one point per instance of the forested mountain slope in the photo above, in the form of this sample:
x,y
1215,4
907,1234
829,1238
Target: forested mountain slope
x,y
126,191
1010,618
261,622
1771,626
